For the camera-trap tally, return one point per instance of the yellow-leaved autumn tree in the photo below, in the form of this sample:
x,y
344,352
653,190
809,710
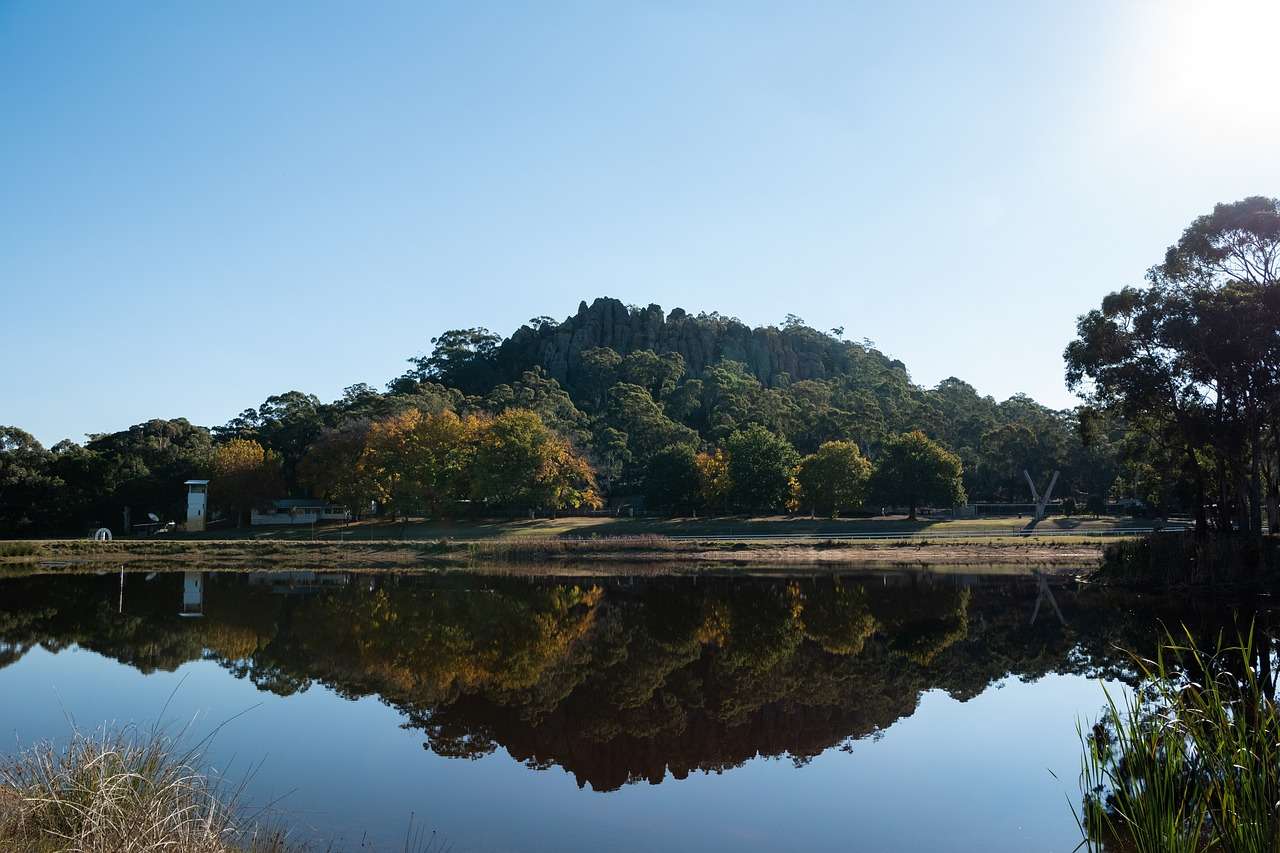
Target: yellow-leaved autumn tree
x,y
388,463
521,462
244,475
713,479
420,463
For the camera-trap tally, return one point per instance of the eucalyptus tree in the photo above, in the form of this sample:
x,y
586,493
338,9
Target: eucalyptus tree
x,y
1193,358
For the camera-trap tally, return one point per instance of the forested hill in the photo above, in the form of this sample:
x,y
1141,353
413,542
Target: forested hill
x,y
713,374
624,382
618,387
772,355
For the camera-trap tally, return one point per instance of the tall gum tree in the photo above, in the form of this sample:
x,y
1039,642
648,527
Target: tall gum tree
x,y
1193,358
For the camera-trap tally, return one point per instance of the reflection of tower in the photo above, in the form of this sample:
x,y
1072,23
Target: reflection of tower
x,y
192,594
197,498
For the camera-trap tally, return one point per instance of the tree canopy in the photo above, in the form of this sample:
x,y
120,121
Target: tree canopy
x,y
914,470
1191,362
834,479
761,464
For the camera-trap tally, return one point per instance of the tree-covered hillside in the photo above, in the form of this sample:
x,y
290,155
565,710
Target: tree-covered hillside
x,y
638,379
694,411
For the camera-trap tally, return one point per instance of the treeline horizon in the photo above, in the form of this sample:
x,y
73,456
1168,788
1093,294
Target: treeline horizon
x,y
1180,382
582,423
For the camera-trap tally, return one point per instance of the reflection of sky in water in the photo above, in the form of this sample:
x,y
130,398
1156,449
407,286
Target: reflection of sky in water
x,y
970,776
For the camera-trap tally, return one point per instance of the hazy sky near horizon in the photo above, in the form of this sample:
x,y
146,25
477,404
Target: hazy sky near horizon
x,y
203,204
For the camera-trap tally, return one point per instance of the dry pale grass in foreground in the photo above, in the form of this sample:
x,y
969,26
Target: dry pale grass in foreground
x,y
122,792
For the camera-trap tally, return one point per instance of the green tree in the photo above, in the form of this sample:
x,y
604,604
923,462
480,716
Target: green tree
x,y
285,423
657,374
760,468
444,449
729,395
597,372
26,484
1192,359
144,466
538,392
913,470
631,410
672,480
462,358
834,479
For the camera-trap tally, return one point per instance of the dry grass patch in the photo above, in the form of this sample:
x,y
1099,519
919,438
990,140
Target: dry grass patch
x,y
122,792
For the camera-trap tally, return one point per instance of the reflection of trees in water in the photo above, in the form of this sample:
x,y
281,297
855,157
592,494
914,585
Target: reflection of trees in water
x,y
615,682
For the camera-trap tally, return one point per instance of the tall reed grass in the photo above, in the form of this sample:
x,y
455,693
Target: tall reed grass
x,y
126,791
1189,762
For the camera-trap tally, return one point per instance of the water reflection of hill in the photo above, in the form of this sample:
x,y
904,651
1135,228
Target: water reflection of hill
x,y
614,681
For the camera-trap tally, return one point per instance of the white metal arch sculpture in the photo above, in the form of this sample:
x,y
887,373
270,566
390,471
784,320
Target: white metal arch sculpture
x,y
1041,501
102,534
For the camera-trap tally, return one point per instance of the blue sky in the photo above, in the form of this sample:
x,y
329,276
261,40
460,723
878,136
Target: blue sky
x,y
202,204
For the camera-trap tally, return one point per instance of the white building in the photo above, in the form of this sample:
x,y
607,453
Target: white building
x,y
299,511
197,504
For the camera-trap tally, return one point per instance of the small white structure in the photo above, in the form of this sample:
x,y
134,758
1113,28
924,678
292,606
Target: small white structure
x,y
192,594
197,504
299,511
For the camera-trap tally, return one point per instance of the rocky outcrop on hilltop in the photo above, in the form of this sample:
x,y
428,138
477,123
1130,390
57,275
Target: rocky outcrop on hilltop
x,y
774,355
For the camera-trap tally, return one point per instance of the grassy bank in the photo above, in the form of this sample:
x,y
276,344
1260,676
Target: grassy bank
x,y
67,554
122,792
685,542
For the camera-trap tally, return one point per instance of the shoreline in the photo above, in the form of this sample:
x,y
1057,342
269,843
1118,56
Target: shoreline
x,y
527,554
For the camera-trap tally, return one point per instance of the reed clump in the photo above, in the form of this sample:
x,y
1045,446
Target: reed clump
x,y
121,792
1189,762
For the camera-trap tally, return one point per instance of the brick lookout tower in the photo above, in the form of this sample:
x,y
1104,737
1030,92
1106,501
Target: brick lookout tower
x,y
197,504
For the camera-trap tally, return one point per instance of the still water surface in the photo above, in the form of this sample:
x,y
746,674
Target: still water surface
x,y
887,712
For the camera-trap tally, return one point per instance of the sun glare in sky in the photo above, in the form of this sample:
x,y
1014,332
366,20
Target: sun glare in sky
x,y
1211,69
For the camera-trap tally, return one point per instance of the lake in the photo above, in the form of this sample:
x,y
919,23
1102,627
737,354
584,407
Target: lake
x,y
894,711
